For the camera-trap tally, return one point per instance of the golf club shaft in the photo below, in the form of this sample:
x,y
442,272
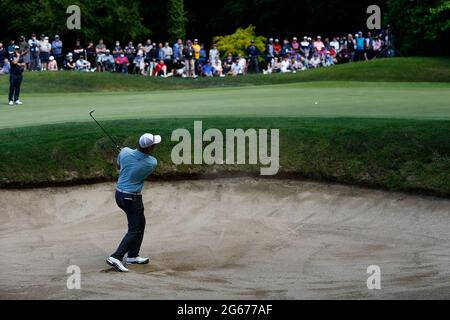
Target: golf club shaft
x,y
104,131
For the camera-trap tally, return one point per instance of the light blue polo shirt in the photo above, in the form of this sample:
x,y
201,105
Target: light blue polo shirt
x,y
135,167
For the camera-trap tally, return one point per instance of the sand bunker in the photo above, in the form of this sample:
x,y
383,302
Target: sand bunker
x,y
230,238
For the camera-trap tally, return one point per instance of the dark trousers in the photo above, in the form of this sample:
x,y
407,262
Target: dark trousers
x,y
15,82
134,208
123,68
254,64
34,61
59,61
359,55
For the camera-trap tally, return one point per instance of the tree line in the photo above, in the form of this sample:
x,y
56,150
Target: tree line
x,y
418,26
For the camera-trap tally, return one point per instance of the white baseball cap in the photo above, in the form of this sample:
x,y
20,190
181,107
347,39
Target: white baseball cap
x,y
147,140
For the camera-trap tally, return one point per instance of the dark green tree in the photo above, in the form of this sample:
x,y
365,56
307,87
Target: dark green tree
x,y
441,14
107,19
419,26
176,20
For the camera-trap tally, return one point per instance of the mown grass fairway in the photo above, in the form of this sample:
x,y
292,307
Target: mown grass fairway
x,y
335,99
390,134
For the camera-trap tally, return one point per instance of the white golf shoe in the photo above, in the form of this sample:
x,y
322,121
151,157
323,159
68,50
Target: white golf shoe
x,y
117,264
138,260
19,102
11,103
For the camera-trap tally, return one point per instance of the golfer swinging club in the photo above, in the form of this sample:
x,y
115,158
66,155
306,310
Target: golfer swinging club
x,y
135,166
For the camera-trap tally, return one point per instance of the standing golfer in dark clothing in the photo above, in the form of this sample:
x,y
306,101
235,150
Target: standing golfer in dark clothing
x,y
135,166
253,54
16,76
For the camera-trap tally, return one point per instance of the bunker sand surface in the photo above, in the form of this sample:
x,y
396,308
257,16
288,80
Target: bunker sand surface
x,y
228,238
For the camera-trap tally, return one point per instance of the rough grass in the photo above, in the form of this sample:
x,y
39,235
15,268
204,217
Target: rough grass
x,y
388,70
403,155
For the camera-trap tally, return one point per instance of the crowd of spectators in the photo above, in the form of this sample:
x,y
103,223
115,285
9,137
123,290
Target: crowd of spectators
x,y
192,59
295,55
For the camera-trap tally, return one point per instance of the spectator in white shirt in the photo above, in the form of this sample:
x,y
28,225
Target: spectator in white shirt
x,y
44,52
315,61
213,54
218,68
285,65
335,44
238,67
167,53
242,64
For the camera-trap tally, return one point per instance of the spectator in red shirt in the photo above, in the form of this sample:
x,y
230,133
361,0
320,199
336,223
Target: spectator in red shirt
x,y
122,63
277,48
160,69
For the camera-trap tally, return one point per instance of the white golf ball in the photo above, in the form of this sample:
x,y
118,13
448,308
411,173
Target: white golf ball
x,y
315,102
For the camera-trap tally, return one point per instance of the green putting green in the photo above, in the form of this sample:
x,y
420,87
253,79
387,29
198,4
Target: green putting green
x,y
318,99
